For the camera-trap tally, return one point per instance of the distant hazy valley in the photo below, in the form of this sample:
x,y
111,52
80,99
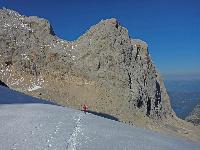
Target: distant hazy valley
x,y
184,95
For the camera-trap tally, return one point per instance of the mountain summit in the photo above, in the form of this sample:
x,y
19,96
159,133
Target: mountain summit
x,y
105,60
104,68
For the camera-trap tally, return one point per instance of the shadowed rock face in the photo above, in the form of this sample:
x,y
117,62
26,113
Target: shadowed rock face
x,y
3,84
104,68
194,116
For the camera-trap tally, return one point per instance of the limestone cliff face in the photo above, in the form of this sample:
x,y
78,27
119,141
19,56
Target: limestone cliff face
x,y
104,68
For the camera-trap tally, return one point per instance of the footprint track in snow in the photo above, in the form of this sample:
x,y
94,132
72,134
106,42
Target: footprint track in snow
x,y
52,135
73,139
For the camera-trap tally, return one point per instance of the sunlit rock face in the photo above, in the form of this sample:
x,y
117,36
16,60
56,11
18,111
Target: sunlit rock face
x,y
104,68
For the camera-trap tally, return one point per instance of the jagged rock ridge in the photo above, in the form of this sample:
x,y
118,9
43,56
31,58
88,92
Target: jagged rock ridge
x,y
105,55
104,68
194,116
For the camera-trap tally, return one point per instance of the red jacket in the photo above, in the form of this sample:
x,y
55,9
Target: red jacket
x,y
85,107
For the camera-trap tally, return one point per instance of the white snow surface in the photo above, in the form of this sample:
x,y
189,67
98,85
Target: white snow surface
x,y
35,87
33,125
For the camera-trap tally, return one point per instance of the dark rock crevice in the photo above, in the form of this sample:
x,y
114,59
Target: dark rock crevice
x,y
157,95
129,80
139,102
148,107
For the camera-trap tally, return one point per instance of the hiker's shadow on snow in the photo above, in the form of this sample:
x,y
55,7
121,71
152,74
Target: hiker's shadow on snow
x,y
103,115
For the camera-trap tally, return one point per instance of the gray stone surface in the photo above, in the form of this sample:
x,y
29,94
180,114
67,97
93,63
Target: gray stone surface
x,y
194,116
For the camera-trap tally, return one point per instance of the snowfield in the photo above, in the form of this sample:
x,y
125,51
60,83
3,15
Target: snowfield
x,y
37,125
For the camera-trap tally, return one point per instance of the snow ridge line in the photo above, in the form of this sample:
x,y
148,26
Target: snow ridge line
x,y
72,142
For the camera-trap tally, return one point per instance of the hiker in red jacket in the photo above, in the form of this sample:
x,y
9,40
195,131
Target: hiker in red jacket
x,y
85,108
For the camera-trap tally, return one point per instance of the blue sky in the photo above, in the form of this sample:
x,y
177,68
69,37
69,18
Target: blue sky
x,y
170,27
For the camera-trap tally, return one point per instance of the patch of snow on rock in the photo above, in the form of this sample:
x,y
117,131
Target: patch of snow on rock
x,y
35,87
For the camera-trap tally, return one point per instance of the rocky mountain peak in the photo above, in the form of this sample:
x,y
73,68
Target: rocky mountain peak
x,y
104,68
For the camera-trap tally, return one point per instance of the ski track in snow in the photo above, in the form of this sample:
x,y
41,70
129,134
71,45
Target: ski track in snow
x,y
27,137
73,139
34,131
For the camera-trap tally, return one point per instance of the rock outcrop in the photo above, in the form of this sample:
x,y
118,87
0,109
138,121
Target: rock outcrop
x,y
104,68
194,116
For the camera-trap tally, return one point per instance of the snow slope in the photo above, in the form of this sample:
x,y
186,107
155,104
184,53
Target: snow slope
x,y
8,96
39,126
